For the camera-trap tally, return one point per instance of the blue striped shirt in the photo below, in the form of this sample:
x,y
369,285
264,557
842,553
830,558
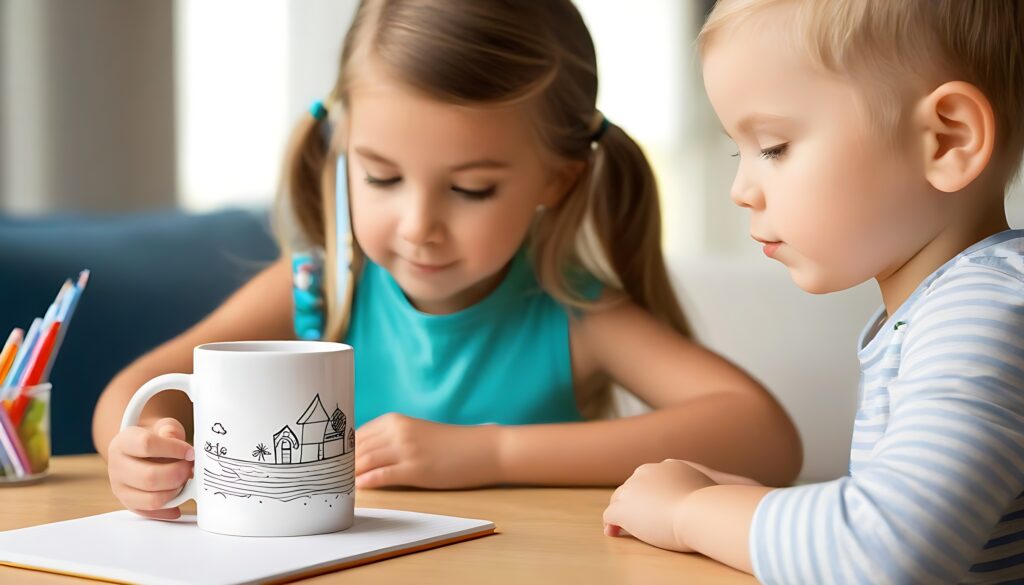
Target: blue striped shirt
x,y
935,492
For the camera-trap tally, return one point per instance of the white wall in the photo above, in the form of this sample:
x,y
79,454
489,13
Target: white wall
x,y
247,71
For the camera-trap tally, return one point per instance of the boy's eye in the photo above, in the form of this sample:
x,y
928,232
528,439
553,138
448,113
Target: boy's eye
x,y
382,182
774,152
476,194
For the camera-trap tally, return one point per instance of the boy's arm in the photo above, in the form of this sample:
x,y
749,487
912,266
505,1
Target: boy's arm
x,y
717,522
261,309
948,468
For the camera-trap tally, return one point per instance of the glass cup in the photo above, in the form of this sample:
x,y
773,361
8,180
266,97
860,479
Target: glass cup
x,y
25,452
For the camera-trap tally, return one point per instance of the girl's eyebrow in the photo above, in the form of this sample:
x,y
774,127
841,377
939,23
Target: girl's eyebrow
x,y
484,163
370,154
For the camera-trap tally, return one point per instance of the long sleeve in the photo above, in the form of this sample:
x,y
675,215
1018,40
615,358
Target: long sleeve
x,y
934,494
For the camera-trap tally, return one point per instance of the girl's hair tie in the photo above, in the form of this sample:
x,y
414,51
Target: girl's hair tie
x,y
596,136
317,110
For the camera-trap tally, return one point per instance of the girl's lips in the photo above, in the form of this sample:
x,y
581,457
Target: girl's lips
x,y
770,248
429,268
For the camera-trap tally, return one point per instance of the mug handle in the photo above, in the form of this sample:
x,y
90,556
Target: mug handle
x,y
132,413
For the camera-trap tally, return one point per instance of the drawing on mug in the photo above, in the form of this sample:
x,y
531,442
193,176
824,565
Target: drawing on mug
x,y
316,461
260,452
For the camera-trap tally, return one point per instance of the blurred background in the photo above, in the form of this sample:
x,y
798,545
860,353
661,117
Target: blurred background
x,y
117,106
144,140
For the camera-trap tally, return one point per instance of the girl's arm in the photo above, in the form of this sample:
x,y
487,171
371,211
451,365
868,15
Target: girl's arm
x,y
261,309
706,410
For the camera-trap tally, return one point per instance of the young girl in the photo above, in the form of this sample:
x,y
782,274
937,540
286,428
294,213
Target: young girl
x,y
509,268
876,141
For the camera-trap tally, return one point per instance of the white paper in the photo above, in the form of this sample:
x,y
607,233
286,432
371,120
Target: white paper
x,y
122,546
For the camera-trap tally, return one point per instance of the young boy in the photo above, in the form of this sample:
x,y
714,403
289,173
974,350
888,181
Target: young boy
x,y
876,140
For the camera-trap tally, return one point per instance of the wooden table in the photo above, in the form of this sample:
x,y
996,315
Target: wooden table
x,y
544,535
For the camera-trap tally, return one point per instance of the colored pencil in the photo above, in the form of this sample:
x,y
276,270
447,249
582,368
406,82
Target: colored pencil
x,y
12,445
22,358
10,350
34,372
64,315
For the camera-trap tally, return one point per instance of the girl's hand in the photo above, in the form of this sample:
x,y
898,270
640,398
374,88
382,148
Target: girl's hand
x,y
648,504
398,450
148,466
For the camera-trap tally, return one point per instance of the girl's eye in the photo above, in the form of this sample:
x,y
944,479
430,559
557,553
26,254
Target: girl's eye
x,y
736,154
476,194
774,152
374,181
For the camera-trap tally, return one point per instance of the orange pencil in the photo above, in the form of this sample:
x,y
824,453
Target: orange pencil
x,y
34,371
10,350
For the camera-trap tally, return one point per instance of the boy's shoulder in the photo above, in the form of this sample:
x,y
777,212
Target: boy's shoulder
x,y
972,306
1005,255
999,258
986,281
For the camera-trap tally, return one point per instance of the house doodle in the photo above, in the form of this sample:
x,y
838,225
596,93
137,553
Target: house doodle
x,y
318,459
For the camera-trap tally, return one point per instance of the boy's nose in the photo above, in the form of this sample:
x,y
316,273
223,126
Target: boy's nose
x,y
746,194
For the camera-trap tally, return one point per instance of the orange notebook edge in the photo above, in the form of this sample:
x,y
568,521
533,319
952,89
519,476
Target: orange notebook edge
x,y
382,557
296,576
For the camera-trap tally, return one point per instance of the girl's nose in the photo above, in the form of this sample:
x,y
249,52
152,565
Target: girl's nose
x,y
420,224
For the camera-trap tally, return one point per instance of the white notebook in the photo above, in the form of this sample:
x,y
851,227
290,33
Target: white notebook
x,y
123,547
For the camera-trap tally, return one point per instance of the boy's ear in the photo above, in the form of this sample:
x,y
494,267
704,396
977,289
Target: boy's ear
x,y
959,135
564,180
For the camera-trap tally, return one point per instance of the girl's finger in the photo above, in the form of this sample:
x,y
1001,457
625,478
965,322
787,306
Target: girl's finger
x,y
374,442
168,514
369,430
170,427
151,476
141,500
369,459
381,477
140,442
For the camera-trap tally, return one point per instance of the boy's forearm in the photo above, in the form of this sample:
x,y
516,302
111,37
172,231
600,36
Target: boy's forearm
x,y
747,442
716,522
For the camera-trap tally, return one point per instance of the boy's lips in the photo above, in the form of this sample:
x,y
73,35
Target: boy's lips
x,y
770,247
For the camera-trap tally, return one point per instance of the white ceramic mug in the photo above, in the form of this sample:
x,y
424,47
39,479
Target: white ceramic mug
x,y
274,436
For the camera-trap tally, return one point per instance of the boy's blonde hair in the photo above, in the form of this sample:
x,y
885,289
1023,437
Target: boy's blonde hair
x,y
897,47
494,52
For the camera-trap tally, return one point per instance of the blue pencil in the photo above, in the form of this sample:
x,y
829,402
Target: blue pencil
x,y
22,358
39,327
64,314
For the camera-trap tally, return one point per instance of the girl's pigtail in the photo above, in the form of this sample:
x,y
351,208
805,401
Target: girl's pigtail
x,y
625,218
299,224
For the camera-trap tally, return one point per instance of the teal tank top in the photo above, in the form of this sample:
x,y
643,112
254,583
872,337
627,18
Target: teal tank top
x,y
503,360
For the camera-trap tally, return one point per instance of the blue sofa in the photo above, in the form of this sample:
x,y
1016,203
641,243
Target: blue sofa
x,y
153,275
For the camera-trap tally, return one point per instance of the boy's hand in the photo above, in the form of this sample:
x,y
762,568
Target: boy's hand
x,y
396,450
149,465
647,505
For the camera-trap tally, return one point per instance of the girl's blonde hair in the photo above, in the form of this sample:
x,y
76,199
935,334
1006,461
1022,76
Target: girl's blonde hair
x,y
898,46
497,52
